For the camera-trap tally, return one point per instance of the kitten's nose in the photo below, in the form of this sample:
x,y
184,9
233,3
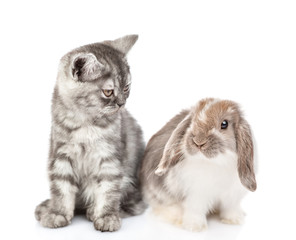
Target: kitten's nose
x,y
120,104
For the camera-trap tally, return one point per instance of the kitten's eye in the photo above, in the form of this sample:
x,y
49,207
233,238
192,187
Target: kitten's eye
x,y
224,124
126,88
108,92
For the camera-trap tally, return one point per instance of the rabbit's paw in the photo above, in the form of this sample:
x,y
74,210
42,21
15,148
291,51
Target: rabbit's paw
x,y
195,224
232,216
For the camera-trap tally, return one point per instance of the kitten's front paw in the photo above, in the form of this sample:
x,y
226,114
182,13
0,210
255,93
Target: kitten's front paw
x,y
42,209
52,220
108,223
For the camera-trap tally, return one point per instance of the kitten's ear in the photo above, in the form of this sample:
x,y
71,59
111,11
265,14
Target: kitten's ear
x,y
85,67
123,44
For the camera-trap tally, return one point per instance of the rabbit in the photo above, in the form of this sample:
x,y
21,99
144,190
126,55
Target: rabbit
x,y
200,162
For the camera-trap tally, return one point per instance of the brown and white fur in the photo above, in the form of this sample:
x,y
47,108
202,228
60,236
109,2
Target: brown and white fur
x,y
195,166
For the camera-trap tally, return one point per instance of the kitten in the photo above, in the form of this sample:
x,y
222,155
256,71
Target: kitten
x,y
95,144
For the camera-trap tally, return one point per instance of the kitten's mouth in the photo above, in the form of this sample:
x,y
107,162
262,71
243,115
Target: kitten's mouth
x,y
109,113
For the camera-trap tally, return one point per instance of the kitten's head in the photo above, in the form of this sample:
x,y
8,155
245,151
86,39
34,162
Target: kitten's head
x,y
95,78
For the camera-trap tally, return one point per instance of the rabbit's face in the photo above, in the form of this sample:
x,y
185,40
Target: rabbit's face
x,y
212,130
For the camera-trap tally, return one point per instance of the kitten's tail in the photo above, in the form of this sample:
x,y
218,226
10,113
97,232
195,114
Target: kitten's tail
x,y
132,204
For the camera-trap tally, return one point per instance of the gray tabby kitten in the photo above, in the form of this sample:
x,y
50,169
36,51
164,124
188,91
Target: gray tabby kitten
x,y
96,145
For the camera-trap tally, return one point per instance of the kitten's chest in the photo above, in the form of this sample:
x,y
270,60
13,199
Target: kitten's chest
x,y
90,135
94,144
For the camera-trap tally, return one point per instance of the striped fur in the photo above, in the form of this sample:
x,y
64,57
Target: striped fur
x,y
95,145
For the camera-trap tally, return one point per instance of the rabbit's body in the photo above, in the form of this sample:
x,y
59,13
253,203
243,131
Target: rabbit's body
x,y
207,186
183,185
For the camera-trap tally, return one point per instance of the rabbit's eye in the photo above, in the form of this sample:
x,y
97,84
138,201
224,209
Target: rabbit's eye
x,y
224,124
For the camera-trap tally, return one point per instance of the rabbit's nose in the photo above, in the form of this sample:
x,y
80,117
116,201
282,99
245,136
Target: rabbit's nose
x,y
199,144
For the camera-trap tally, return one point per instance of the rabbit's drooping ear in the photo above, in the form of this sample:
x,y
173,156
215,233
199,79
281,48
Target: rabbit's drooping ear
x,y
245,153
172,153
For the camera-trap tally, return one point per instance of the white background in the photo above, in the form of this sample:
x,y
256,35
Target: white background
x,y
187,50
